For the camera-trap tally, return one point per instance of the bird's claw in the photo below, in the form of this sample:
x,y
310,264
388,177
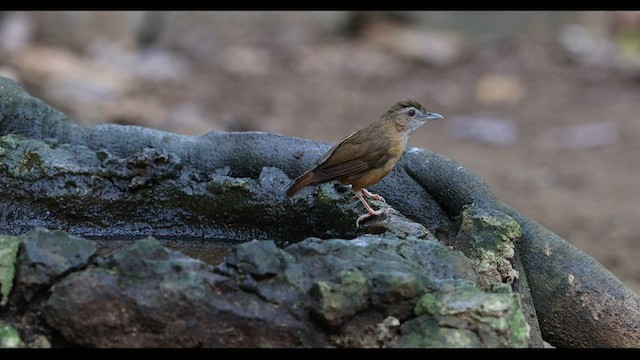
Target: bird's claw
x,y
377,197
368,215
371,195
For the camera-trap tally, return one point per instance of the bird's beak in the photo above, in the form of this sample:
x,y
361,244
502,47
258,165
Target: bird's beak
x,y
433,116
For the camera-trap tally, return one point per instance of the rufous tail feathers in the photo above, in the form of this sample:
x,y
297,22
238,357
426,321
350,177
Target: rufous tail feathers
x,y
300,182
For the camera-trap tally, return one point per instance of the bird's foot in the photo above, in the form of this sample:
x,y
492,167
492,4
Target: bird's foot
x,y
371,195
370,214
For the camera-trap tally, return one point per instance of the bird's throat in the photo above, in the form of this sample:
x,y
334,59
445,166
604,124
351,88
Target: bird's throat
x,y
413,125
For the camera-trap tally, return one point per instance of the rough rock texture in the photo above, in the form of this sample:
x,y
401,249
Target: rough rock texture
x,y
91,191
488,237
465,316
314,293
46,256
146,295
566,319
112,180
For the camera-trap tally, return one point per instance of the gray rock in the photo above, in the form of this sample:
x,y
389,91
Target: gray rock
x,y
488,237
314,293
148,296
463,316
596,309
46,256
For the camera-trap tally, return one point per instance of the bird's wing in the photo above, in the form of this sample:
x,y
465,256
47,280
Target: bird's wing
x,y
352,157
326,155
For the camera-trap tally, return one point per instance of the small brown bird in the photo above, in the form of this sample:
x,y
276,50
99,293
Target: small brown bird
x,y
366,156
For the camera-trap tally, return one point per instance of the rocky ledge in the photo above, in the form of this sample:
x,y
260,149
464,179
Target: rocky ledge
x,y
450,266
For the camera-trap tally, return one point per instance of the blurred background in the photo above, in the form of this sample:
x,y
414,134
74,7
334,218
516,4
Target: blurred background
x,y
545,106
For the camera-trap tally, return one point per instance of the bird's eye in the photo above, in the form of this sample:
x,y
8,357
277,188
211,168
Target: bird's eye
x,y
411,112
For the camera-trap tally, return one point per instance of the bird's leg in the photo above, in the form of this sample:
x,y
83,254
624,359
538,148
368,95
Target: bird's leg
x,y
370,195
370,211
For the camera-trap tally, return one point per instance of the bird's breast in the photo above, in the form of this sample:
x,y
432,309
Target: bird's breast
x,y
377,173
373,176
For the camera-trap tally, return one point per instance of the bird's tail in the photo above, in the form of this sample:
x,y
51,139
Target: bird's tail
x,y
300,182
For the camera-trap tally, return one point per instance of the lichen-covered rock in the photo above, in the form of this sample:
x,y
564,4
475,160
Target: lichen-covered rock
x,y
488,236
8,255
148,296
462,315
46,256
315,293
9,337
336,302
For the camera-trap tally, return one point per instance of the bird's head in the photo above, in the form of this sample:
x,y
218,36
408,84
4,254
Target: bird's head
x,y
408,115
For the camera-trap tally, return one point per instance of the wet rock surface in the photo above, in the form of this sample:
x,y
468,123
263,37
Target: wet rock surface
x,y
304,275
